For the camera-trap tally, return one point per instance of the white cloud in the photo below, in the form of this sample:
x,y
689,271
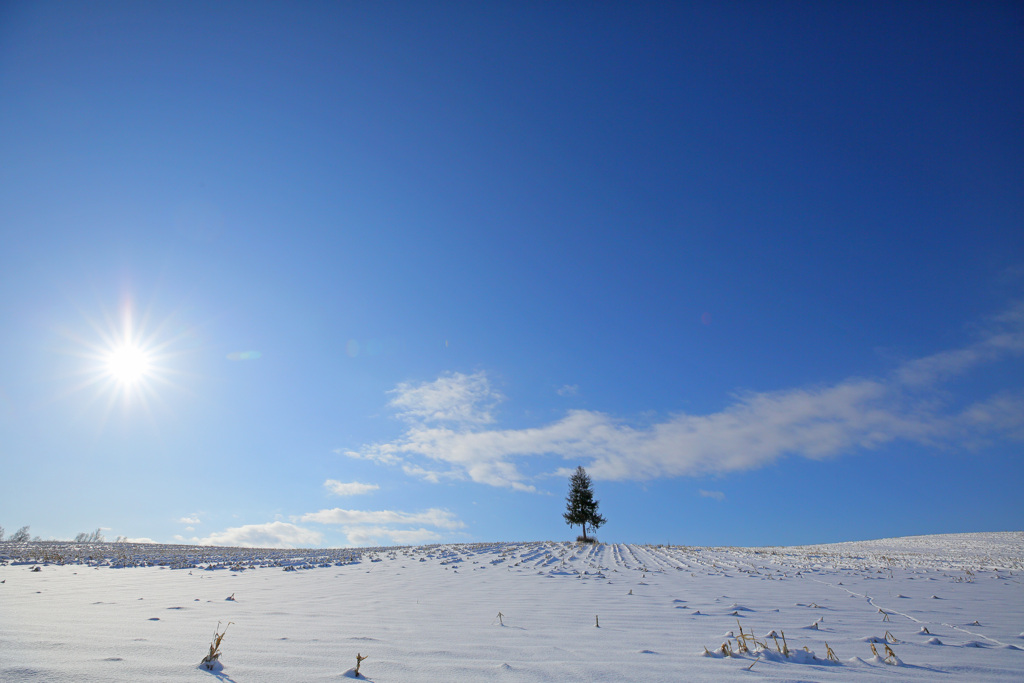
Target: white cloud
x,y
947,364
383,527
569,390
442,519
756,429
379,535
456,398
269,535
194,519
717,495
352,488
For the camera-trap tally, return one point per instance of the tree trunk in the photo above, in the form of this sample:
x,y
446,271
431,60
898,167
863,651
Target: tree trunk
x,y
584,525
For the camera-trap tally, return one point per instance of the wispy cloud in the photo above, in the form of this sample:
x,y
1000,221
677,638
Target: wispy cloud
x,y
351,488
569,390
717,495
442,519
448,437
193,519
453,398
269,535
378,535
372,527
942,366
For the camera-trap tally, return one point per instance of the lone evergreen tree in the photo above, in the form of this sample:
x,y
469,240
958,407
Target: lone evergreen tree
x,y
580,506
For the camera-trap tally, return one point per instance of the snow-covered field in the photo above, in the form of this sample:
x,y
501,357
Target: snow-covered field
x,y
948,608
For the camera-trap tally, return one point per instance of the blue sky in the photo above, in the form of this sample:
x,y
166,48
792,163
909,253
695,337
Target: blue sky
x,y
391,270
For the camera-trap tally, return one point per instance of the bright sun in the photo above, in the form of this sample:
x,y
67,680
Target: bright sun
x,y
128,364
127,361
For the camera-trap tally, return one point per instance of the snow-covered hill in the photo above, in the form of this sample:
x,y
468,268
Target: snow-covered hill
x,y
931,607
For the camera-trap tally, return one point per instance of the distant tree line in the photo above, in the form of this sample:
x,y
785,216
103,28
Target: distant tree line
x,y
19,536
94,537
22,535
